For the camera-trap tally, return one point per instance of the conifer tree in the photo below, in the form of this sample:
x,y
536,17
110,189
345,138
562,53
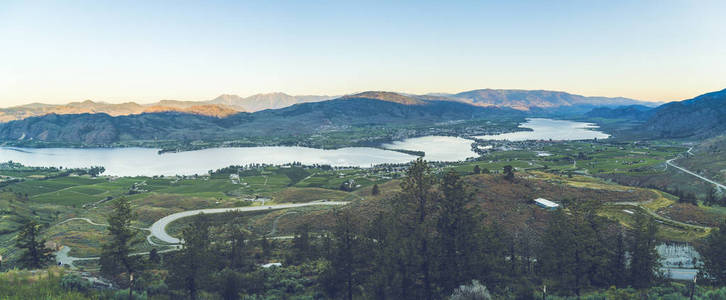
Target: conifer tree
x,y
644,265
189,269
35,255
115,255
714,256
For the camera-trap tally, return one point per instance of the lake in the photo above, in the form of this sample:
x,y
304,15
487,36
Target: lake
x,y
147,162
437,148
548,129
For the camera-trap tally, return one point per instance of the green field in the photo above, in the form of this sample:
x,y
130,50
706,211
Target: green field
x,y
49,199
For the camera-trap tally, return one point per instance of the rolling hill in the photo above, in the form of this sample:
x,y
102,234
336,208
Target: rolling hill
x,y
541,99
123,109
534,102
700,117
265,101
368,109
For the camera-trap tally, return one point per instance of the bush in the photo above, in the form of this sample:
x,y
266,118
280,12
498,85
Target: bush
x,y
474,291
74,282
124,295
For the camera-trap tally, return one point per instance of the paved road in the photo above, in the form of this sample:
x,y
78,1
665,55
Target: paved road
x,y
158,229
670,163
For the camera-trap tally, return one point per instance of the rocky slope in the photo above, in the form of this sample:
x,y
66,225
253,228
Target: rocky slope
x,y
700,117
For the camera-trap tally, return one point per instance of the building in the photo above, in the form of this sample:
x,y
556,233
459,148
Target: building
x,y
547,204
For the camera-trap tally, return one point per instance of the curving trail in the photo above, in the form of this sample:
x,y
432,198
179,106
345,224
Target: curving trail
x,y
87,220
158,229
82,219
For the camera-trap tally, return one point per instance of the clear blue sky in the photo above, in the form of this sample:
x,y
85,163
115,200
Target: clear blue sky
x,y
60,51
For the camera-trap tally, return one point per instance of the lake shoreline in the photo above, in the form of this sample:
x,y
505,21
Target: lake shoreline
x,y
146,161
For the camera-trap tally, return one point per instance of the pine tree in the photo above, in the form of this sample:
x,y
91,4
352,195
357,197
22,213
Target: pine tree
x,y
348,259
115,255
416,209
236,250
376,190
644,265
35,254
456,234
714,256
619,263
190,267
508,173
301,247
711,197
154,256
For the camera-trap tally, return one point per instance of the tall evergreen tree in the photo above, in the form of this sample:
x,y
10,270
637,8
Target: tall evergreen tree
x,y
190,267
301,246
644,265
509,172
115,255
456,234
347,261
375,191
714,256
711,197
236,251
383,245
576,252
619,263
416,208
35,255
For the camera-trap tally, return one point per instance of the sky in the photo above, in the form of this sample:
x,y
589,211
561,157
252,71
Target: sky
x,y
145,51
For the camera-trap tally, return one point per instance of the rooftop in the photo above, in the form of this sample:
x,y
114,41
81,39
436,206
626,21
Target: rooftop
x,y
546,203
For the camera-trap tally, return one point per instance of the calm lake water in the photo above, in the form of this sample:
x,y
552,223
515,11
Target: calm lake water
x,y
437,148
546,129
146,161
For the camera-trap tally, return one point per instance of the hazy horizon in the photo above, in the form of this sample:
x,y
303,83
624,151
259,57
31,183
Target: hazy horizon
x,y
145,52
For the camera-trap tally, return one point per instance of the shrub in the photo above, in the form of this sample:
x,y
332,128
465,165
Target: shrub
x,y
474,291
74,282
124,295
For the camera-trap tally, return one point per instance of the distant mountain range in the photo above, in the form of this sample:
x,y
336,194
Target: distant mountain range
x,y
265,101
697,118
226,105
526,99
700,117
130,108
634,112
363,110
223,118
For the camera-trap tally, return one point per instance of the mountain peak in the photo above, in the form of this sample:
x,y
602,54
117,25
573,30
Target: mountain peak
x,y
386,96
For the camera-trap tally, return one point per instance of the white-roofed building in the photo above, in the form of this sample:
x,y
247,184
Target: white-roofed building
x,y
544,203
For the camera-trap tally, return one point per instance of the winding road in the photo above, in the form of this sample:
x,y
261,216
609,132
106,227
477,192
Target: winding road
x,y
158,229
670,163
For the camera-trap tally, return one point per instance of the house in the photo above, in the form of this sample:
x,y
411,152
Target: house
x,y
547,204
